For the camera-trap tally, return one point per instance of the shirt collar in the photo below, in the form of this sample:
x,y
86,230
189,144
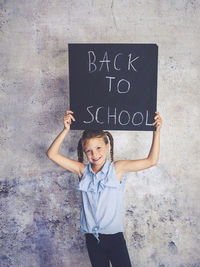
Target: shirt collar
x,y
104,168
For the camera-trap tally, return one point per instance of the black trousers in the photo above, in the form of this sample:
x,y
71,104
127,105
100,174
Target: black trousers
x,y
111,248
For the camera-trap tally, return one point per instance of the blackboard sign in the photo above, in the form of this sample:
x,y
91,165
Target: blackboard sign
x,y
113,86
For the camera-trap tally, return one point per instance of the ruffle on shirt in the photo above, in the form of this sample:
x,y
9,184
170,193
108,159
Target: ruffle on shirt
x,y
88,185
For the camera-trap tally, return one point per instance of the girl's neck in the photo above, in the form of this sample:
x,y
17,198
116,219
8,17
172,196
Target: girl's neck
x,y
97,168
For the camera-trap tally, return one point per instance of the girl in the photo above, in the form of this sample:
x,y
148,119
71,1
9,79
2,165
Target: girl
x,y
101,185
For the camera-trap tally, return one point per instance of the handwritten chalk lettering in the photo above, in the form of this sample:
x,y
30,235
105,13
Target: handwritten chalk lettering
x,y
92,62
124,82
109,115
96,117
128,117
105,60
130,62
135,118
110,82
120,85
92,119
114,116
115,59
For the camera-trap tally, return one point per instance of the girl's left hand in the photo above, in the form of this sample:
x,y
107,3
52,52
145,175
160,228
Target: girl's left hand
x,y
157,121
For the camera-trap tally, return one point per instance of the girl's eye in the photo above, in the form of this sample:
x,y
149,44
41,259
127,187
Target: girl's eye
x,y
98,147
88,151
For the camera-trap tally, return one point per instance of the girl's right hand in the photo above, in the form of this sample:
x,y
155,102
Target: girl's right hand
x,y
67,120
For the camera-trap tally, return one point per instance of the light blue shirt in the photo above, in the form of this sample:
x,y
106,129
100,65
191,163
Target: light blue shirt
x,y
102,201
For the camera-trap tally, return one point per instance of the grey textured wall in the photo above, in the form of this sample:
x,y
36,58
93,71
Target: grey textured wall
x,y
39,205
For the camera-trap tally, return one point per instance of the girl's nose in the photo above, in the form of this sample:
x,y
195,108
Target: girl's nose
x,y
94,153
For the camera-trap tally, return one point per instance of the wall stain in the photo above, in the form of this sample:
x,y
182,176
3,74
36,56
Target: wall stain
x,y
172,248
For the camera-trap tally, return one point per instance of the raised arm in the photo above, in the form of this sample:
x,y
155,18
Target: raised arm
x,y
123,166
53,151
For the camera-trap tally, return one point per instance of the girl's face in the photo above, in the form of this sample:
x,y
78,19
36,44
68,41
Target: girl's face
x,y
96,151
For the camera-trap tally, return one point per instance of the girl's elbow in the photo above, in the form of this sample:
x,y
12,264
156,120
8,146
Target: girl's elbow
x,y
154,163
49,155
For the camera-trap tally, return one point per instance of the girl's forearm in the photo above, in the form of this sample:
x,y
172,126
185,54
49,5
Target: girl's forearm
x,y
155,148
55,146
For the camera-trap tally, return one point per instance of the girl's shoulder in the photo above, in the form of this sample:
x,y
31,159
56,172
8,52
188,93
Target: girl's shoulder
x,y
119,163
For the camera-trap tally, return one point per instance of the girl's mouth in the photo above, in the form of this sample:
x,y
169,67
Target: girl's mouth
x,y
95,160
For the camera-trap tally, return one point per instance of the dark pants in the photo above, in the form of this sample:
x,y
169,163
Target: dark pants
x,y
112,247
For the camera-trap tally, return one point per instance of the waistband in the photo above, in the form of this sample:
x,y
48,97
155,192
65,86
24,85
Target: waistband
x,y
100,236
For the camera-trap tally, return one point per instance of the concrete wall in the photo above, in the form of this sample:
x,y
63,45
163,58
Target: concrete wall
x,y
39,205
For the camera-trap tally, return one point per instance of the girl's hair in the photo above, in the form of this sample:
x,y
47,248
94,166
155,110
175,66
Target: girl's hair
x,y
87,134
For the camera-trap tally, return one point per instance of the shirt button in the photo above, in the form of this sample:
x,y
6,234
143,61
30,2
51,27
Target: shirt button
x,y
95,228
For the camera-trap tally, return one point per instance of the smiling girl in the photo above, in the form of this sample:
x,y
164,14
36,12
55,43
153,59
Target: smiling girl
x,y
101,183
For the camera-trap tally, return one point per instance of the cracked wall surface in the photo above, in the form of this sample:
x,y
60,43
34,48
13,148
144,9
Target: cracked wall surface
x,y
39,203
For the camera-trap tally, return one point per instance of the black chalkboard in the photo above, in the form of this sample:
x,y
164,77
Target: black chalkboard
x,y
113,86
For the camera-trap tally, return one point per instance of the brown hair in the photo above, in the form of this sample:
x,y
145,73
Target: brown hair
x,y
87,134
